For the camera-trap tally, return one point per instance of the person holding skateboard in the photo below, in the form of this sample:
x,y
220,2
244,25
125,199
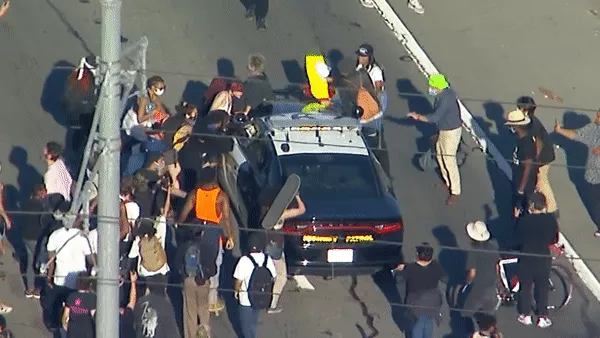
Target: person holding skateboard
x,y
211,207
276,240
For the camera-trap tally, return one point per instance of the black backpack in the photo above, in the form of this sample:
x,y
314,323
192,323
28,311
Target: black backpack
x,y
260,287
200,258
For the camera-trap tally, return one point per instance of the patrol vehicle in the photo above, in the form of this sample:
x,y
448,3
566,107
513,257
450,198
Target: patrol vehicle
x,y
352,224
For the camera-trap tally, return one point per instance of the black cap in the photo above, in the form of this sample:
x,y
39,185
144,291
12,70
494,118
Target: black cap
x,y
365,50
256,242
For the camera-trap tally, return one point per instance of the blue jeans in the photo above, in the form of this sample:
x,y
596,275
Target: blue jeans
x,y
424,327
249,321
383,100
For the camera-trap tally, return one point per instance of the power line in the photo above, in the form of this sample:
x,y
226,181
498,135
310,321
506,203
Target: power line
x,y
402,94
115,221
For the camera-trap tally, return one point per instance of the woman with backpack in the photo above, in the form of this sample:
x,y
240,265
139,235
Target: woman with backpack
x,y
149,249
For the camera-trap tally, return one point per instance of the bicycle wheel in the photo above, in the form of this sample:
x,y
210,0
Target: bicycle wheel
x,y
561,287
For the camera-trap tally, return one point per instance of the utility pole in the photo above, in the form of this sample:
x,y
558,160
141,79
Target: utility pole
x,y
109,141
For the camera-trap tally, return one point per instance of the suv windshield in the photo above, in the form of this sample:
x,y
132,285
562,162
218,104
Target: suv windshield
x,y
337,176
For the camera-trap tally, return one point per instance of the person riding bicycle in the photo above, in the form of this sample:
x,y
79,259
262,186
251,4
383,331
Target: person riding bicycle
x,y
536,231
481,274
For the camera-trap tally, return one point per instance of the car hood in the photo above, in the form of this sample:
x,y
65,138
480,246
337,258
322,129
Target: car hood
x,y
355,209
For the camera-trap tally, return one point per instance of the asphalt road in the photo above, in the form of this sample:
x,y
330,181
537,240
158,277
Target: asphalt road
x,y
541,48
193,40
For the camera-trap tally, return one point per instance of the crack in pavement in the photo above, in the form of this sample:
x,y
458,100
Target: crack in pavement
x,y
370,319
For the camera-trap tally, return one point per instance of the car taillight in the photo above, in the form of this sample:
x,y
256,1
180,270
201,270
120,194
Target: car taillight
x,y
386,228
305,227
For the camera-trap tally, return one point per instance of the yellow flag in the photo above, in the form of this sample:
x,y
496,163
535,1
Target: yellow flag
x,y
318,85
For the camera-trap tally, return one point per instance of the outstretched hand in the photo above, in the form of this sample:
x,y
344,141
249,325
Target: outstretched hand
x,y
4,8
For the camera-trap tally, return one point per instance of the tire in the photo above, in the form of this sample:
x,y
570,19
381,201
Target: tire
x,y
561,289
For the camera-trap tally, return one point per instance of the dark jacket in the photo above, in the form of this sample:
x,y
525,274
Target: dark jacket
x,y
347,87
257,89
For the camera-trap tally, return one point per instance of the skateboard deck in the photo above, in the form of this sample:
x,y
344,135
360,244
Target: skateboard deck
x,y
283,199
318,85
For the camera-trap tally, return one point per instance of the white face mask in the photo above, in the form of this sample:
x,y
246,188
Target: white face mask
x,y
159,92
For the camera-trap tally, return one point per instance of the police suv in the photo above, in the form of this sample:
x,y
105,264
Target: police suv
x,y
352,223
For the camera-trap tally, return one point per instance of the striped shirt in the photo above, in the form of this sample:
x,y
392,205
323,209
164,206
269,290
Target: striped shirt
x,y
57,179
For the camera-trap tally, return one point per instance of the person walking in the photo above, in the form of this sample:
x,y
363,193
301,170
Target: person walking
x,y
257,9
423,297
57,178
446,116
536,231
249,274
31,232
524,169
590,136
545,154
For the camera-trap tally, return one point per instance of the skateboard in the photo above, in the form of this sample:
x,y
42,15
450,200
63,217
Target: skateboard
x,y
283,199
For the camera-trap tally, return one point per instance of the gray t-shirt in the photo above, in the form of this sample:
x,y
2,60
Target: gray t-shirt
x,y
590,136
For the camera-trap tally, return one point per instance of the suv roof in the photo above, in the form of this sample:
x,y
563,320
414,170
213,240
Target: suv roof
x,y
297,133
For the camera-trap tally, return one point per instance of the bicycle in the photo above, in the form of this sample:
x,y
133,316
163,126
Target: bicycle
x,y
561,285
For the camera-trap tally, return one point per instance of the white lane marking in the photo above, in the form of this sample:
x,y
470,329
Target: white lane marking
x,y
303,283
427,67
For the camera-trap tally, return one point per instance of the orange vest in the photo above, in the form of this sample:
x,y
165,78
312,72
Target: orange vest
x,y
206,205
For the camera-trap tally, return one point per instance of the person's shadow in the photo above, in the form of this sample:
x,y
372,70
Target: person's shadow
x,y
576,153
28,176
503,138
225,68
454,262
53,90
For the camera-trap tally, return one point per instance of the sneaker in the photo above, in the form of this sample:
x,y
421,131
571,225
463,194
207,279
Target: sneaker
x,y
29,294
416,6
525,320
274,310
367,3
260,24
250,13
4,309
37,294
544,322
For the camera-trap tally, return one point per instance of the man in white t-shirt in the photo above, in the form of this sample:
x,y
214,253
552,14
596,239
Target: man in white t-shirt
x,y
72,251
242,273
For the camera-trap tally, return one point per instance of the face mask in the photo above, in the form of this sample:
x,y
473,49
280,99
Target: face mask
x,y
512,130
159,92
432,92
191,122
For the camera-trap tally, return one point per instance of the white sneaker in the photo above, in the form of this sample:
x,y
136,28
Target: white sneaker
x,y
367,3
544,322
525,320
416,6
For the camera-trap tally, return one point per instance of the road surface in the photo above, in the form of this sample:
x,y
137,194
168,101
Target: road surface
x,y
193,40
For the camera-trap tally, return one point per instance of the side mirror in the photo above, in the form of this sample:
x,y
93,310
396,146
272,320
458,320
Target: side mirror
x,y
358,112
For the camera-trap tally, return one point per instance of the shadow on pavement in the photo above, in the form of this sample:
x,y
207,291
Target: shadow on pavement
x,y
53,90
194,93
393,292
294,72
576,153
454,263
225,68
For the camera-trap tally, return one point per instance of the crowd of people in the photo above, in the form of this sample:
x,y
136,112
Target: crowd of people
x,y
176,226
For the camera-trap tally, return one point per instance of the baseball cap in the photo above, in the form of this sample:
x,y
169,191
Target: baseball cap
x,y
256,241
365,50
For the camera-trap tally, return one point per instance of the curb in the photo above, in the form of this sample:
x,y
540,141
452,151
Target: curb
x,y
426,66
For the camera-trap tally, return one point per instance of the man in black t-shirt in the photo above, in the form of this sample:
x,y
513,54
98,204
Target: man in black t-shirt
x,y
153,313
524,173
536,231
544,149
481,273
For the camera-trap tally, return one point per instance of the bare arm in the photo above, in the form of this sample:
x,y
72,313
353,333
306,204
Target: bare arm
x,y
132,291
568,133
224,209
187,208
65,317
142,114
4,8
295,212
527,165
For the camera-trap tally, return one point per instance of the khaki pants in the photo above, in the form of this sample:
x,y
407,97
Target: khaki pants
x,y
446,148
280,280
543,186
195,307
